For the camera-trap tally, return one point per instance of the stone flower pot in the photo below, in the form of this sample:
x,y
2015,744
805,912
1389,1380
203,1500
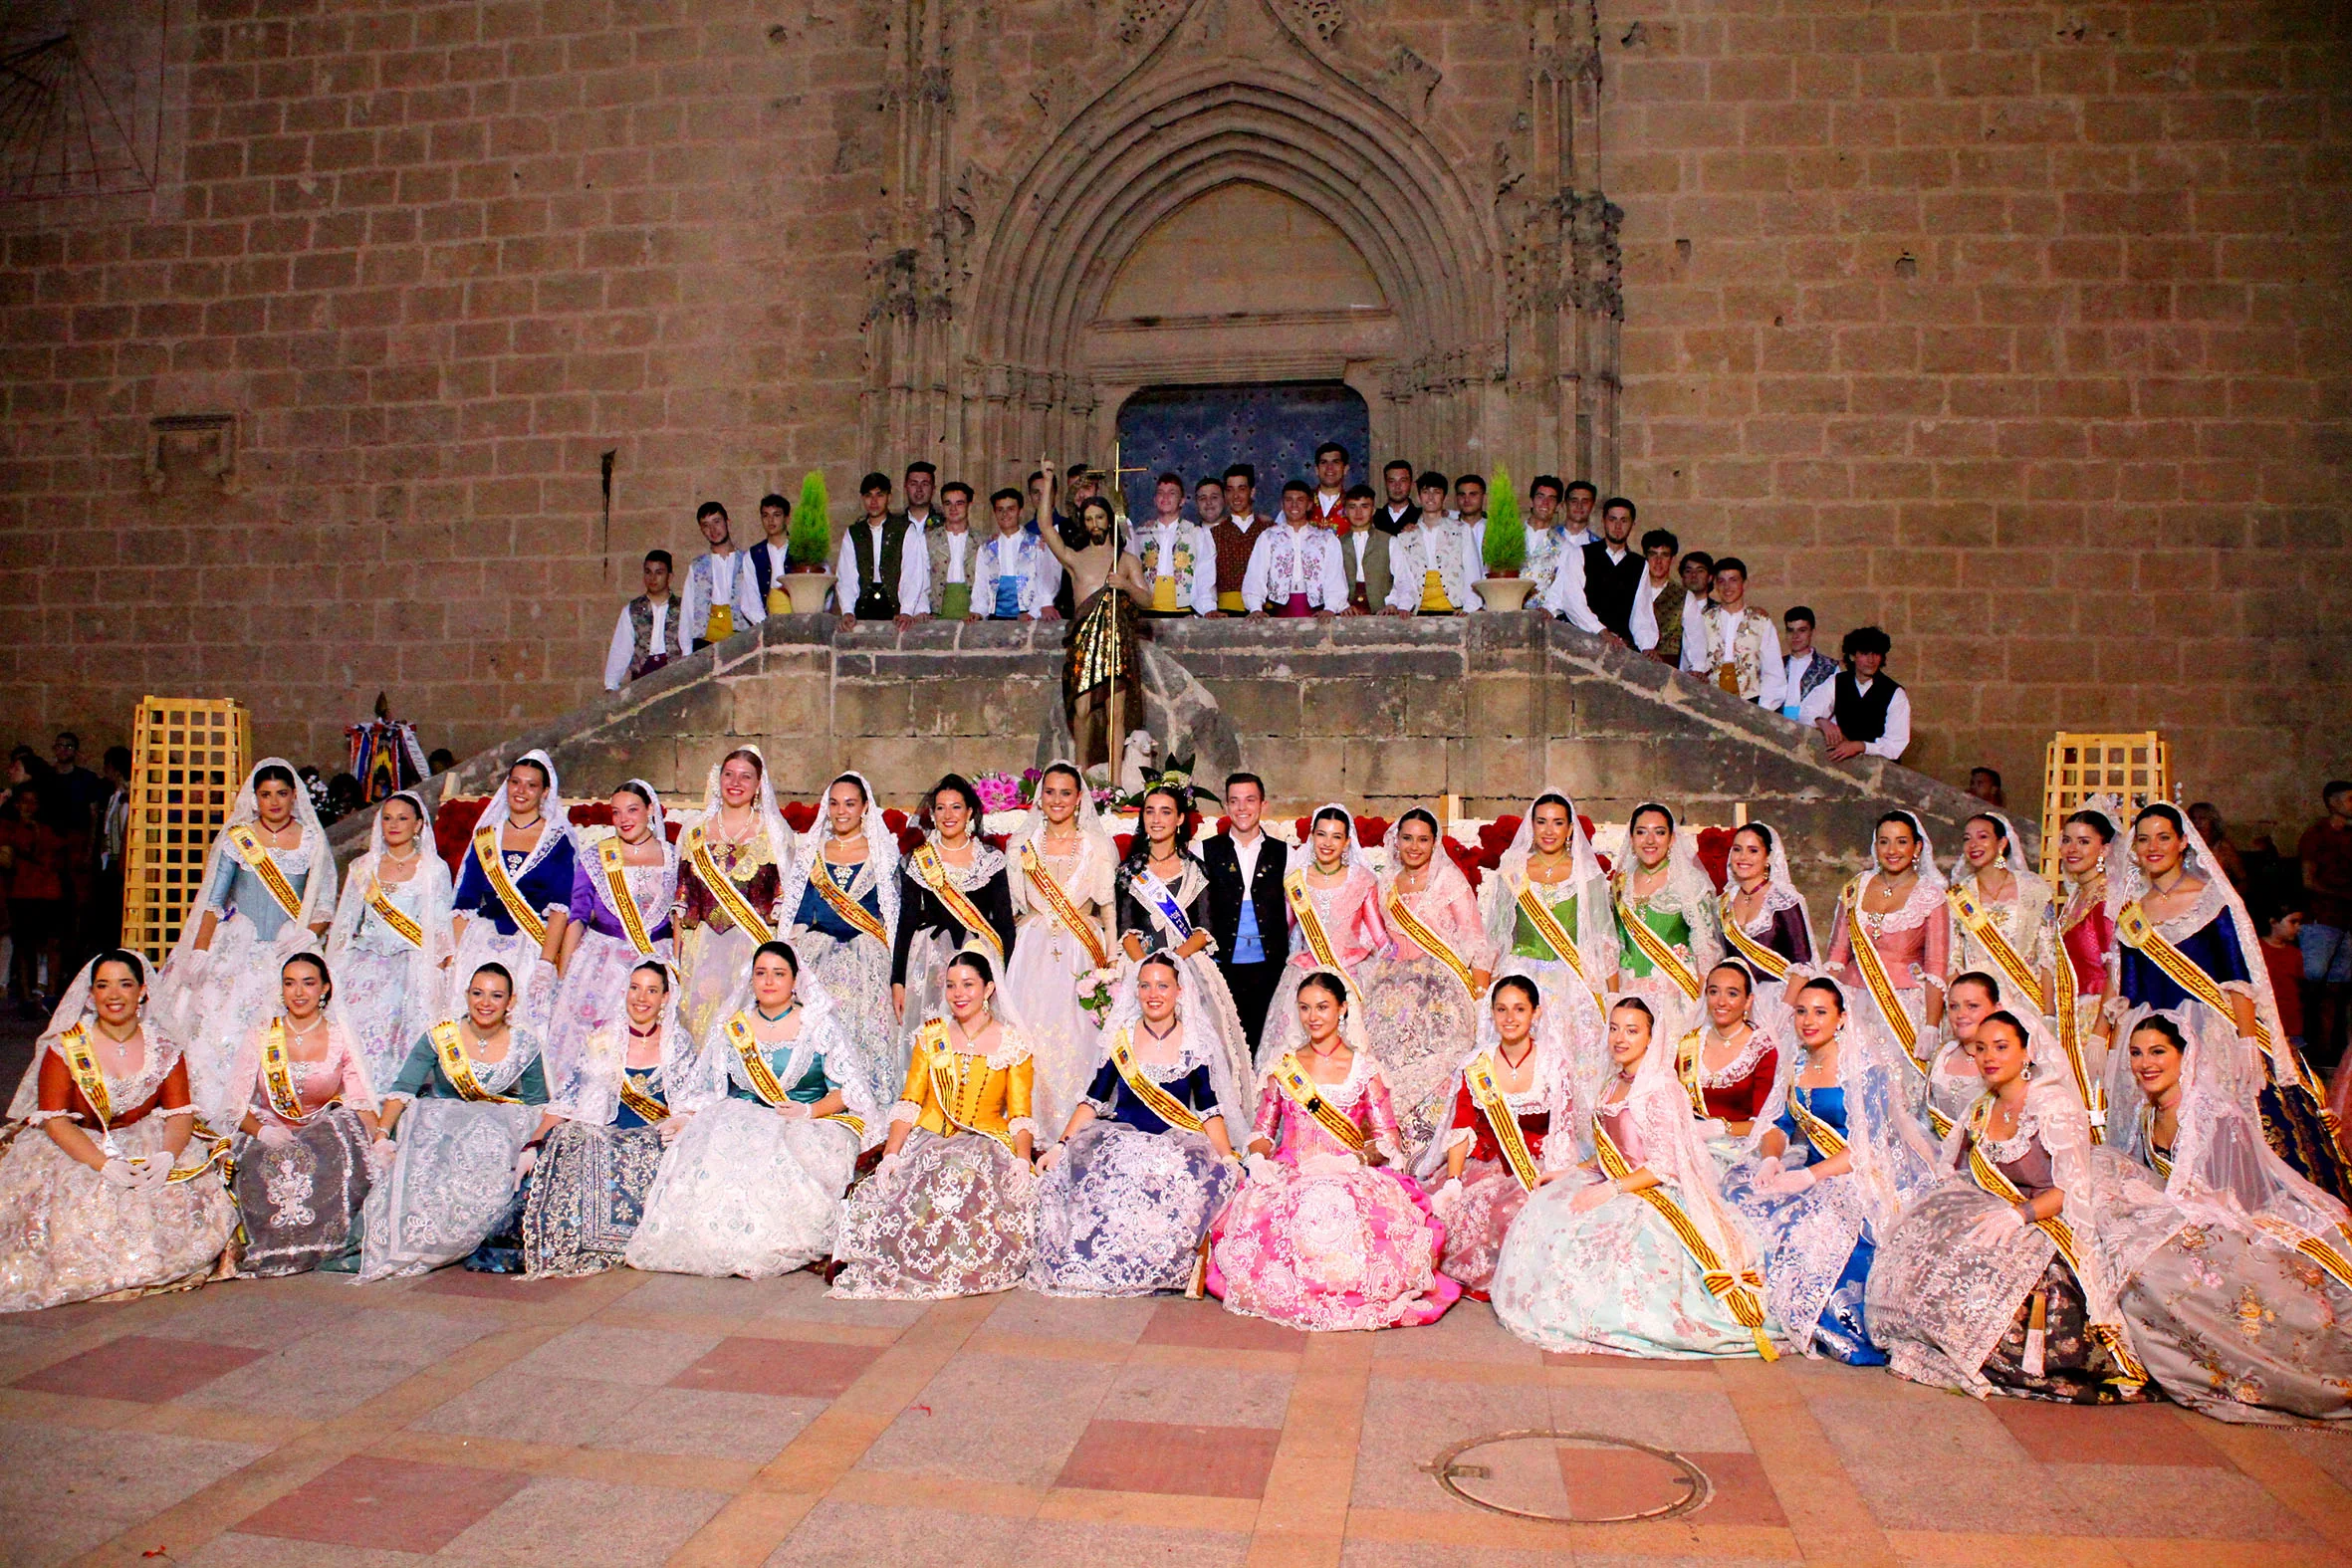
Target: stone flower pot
x,y
808,591
1505,594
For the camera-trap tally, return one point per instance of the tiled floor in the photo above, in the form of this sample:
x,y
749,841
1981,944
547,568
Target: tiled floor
x,y
644,1420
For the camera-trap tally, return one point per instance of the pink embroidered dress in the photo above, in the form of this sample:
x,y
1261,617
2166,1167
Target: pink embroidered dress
x,y
1913,942
1350,914
1316,1239
302,1178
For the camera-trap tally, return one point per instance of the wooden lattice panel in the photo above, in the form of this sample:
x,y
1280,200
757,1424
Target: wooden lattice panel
x,y
188,757
2135,768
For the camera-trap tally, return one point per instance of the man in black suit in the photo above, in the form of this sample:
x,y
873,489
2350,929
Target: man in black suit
x,y
1248,914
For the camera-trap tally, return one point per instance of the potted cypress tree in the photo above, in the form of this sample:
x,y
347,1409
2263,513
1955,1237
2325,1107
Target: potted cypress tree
x,y
809,548
1506,550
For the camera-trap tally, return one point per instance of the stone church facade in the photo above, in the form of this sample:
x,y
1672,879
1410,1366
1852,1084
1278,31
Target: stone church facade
x,y
2015,329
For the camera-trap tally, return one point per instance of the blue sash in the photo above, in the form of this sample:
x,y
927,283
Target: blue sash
x,y
1161,900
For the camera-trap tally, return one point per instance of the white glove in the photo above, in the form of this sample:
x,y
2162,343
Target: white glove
x,y
1259,1167
1713,1127
380,1154
157,1171
1451,1188
1996,1225
669,1127
118,1172
792,1111
525,1163
1049,1158
274,1135
890,1162
1784,1180
1024,1176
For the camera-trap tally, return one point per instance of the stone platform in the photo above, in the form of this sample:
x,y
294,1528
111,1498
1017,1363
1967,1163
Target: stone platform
x,y
634,1418
1380,711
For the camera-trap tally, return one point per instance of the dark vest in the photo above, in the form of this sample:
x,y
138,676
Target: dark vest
x,y
1392,528
1861,715
1233,553
1226,893
876,602
1609,587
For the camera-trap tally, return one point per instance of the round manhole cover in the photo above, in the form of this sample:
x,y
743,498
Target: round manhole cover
x,y
1573,1477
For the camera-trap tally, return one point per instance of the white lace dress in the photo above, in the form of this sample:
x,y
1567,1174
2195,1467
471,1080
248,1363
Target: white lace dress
x,y
68,1234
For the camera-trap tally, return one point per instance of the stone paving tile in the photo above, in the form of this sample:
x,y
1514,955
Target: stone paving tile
x,y
790,1367
239,1550
557,1521
524,1406
1933,1468
65,1490
728,1426
1069,1543
1686,1418
1205,1325
1157,1457
148,1369
863,1535
1202,1396
333,1380
2168,1500
617,1355
1006,1419
802,1295
1028,1314
400,1504
2088,1435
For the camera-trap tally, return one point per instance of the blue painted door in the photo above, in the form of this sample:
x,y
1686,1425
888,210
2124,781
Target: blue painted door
x,y
1197,431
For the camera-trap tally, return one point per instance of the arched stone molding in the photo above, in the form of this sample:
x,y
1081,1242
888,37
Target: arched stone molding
x,y
1504,298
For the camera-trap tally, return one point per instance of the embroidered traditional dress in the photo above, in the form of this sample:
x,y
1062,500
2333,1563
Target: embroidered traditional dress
x,y
266,899
2246,1312
954,1215
587,1190
1163,918
2211,939
747,1190
1621,1277
1577,910
1123,1212
1676,916
299,1188
542,880
1955,1311
1421,1009
1061,904
593,995
930,930
452,1179
1497,1176
67,1233
1349,915
1736,1090
1912,942
714,946
1319,1239
850,957
390,951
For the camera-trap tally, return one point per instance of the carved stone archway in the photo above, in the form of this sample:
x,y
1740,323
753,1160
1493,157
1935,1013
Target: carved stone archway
x,y
1505,297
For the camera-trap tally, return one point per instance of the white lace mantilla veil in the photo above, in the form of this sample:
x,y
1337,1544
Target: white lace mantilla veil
x,y
176,987
2055,1107
1555,1082
1201,1041
1445,877
564,1070
426,977
2219,1155
1895,1164
246,1067
1673,1148
1780,887
783,842
74,1008
1013,1047
1596,922
1300,855
2013,858
1930,873
1092,832
552,811
2130,884
822,1032
880,872
686,1072
1692,890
